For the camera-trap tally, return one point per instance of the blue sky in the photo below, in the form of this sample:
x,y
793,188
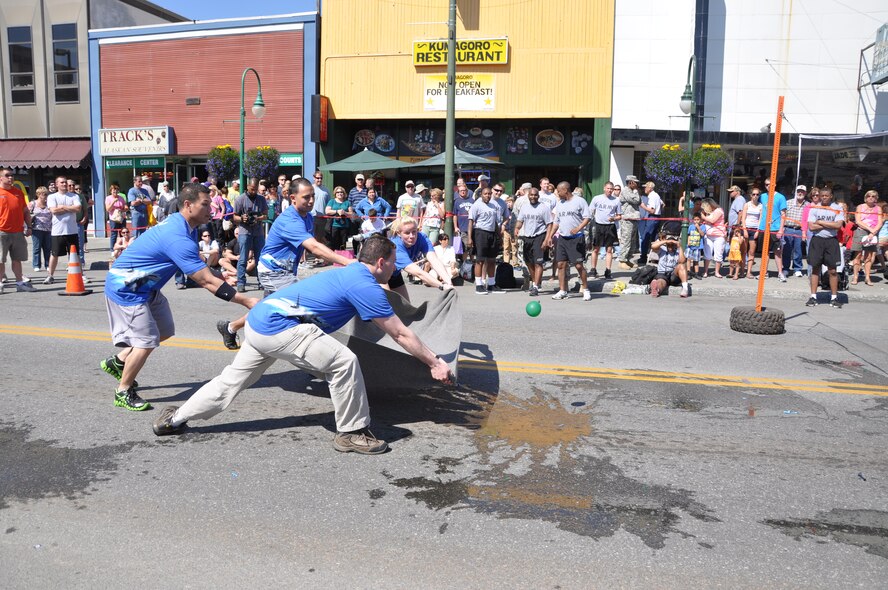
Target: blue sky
x,y
209,9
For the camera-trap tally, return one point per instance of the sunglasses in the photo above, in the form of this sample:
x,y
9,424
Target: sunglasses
x,y
497,190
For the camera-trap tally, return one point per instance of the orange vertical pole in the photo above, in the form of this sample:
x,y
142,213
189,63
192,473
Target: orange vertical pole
x,y
766,211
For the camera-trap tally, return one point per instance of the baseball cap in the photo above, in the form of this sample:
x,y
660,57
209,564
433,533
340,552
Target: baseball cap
x,y
145,177
359,177
296,177
193,179
483,177
631,178
409,183
802,188
526,186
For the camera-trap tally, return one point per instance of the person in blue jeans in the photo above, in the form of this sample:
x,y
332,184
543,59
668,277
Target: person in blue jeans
x,y
139,200
792,232
250,211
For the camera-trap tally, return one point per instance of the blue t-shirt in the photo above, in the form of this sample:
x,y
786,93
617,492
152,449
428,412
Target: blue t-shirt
x,y
405,256
779,207
461,206
328,300
283,246
383,209
152,259
138,193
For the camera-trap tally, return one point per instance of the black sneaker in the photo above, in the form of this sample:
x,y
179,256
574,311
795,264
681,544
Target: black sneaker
x,y
228,339
360,441
811,302
494,289
607,273
594,273
162,426
835,303
130,400
480,290
114,367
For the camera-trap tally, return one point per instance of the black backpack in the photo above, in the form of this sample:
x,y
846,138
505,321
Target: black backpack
x,y
643,275
505,276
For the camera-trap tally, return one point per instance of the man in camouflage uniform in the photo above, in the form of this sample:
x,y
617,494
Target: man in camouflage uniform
x,y
629,201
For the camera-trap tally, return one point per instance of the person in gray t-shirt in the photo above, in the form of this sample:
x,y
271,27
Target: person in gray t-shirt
x,y
485,225
824,250
571,218
534,225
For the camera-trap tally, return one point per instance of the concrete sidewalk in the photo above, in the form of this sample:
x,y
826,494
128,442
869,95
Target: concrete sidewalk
x,y
741,289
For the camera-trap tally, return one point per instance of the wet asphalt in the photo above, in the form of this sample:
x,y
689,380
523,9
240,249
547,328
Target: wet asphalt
x,y
621,442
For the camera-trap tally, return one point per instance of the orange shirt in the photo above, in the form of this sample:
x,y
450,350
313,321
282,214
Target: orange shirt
x,y
12,211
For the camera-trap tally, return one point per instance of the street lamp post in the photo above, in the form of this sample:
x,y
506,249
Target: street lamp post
x,y
689,107
258,112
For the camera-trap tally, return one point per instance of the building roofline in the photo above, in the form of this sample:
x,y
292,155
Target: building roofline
x,y
156,10
198,24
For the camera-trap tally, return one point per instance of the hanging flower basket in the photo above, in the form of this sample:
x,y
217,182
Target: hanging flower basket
x,y
712,165
670,167
223,162
261,162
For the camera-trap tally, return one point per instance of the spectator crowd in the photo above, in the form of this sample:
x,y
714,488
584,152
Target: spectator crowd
x,y
811,233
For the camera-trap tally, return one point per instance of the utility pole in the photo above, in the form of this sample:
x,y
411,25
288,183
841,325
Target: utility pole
x,y
450,125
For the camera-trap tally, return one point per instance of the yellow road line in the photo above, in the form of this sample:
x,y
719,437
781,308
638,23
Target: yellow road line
x,y
667,373
687,379
522,367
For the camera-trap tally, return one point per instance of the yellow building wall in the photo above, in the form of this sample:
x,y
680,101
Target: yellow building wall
x,y
560,56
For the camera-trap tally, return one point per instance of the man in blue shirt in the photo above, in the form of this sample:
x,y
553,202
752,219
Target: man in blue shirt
x,y
775,242
139,201
279,260
294,325
139,314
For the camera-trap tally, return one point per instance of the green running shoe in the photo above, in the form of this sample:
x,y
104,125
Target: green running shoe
x,y
130,400
114,367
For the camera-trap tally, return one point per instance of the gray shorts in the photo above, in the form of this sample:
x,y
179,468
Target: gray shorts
x,y
13,245
275,281
143,325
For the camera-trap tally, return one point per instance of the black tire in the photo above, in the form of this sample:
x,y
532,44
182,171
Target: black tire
x,y
749,321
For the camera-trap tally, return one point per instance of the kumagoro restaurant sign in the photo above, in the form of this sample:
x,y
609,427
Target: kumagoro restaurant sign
x,y
468,51
474,92
134,141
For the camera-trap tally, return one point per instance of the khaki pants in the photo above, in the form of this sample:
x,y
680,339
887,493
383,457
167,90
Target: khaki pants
x,y
304,346
510,249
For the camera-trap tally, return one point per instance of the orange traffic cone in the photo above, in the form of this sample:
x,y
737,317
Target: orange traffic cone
x,y
74,284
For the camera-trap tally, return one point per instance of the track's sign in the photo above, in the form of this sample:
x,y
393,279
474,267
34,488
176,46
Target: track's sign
x,y
468,51
135,140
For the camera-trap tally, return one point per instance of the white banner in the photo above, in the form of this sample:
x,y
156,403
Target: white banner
x,y
136,140
474,92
